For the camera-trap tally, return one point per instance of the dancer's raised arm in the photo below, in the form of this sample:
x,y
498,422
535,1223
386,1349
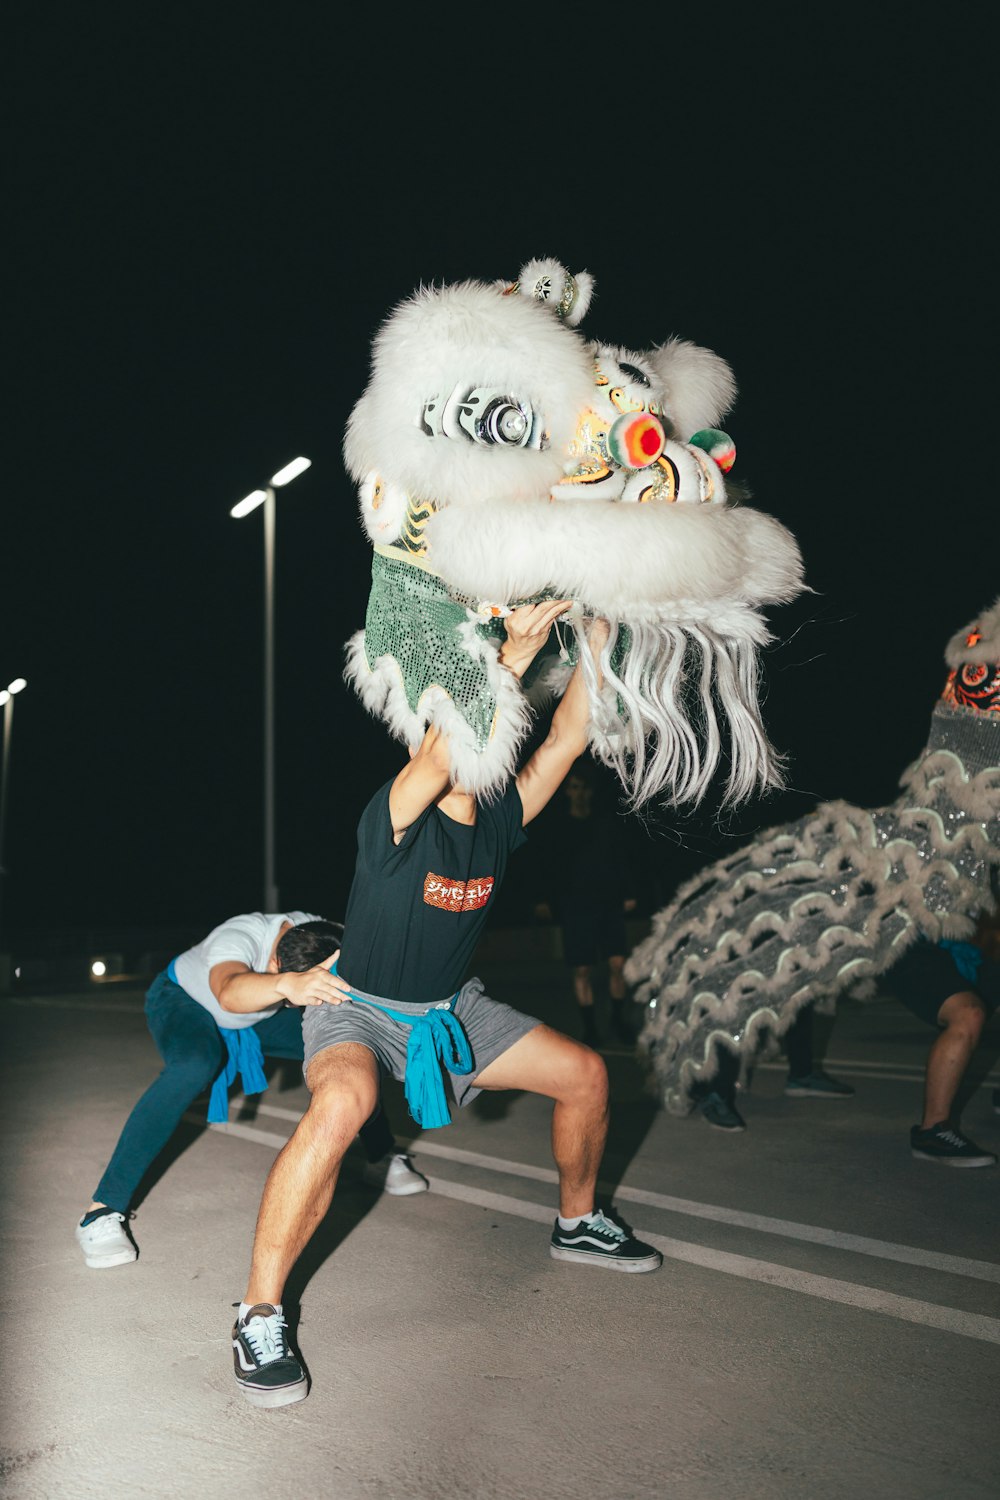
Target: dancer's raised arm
x,y
566,740
427,777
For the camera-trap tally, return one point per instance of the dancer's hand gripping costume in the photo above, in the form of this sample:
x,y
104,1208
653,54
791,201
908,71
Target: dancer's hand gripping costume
x,y
502,458
808,910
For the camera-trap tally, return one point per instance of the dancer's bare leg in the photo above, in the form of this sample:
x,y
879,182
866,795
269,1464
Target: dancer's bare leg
x,y
583,988
343,1080
963,1017
546,1062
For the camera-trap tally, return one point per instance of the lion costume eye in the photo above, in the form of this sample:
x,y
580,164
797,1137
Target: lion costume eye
x,y
489,418
503,423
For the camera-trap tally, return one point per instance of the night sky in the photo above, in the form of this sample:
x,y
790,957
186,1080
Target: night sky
x,y
209,217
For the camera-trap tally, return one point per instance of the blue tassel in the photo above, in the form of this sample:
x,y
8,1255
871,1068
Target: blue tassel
x,y
436,1041
966,957
245,1058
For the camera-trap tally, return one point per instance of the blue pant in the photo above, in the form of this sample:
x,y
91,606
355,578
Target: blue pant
x,y
194,1054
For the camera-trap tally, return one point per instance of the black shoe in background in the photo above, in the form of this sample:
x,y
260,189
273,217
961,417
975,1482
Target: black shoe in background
x,y
722,1115
945,1143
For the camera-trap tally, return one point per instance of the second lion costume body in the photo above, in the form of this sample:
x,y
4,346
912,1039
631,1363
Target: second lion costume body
x,y
808,910
501,457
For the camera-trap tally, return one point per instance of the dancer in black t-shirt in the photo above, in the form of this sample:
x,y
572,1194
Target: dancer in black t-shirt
x,y
430,858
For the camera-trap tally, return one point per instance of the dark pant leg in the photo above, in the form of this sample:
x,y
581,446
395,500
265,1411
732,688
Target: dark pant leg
x,y
281,1036
724,1082
798,1041
188,1040
376,1137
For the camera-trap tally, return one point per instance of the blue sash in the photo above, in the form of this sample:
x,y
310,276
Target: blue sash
x,y
245,1058
966,957
436,1041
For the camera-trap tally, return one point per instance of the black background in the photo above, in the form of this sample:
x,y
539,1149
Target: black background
x,y
208,215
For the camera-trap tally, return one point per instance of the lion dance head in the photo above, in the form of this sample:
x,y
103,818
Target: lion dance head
x,y
502,457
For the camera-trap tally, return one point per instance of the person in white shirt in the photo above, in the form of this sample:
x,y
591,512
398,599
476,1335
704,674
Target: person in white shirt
x,y
218,1009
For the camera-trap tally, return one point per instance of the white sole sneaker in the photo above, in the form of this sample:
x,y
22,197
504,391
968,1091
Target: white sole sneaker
x,y
399,1179
283,1395
986,1159
608,1262
105,1243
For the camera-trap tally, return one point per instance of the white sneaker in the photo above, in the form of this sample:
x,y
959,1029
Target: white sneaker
x,y
105,1241
396,1175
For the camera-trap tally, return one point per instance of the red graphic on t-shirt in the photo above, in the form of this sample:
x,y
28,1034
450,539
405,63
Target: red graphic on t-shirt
x,y
457,895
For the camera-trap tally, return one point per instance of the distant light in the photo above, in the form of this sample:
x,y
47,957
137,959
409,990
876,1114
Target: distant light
x,y
17,684
4,696
251,502
291,471
17,973
98,968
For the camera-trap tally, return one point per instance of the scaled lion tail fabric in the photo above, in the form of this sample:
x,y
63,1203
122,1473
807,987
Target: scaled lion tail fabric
x,y
809,909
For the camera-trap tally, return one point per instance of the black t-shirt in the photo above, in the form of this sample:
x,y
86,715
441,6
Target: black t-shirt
x,y
417,908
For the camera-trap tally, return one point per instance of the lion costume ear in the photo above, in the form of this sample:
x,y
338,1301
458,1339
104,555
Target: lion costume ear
x,y
569,295
699,387
718,445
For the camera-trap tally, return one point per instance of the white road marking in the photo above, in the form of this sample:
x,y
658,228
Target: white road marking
x,y
979,1270
274,1110
935,1260
868,1299
890,1072
245,1132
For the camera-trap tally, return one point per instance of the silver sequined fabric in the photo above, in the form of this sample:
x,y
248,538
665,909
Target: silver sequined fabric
x,y
812,908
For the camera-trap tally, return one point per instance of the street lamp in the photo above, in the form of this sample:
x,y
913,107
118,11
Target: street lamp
x,y
7,696
243,508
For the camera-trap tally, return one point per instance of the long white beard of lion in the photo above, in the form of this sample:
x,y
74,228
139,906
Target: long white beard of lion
x,y
674,582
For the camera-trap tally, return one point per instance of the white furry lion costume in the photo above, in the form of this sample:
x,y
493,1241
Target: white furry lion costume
x,y
502,458
809,909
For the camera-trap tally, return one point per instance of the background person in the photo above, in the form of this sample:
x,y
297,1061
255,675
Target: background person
x,y
805,1080
586,883
219,1008
955,987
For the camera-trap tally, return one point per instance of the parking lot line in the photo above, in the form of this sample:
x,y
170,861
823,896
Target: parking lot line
x,y
957,1265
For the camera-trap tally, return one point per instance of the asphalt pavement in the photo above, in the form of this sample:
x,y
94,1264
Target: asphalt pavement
x,y
826,1322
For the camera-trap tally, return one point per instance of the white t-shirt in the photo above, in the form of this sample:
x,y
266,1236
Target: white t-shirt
x,y
247,940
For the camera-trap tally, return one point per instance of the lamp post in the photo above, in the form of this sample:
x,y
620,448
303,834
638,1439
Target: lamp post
x,y
243,508
7,696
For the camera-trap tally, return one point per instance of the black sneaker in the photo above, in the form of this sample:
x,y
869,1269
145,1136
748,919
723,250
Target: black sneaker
x,y
945,1143
598,1241
267,1372
818,1085
722,1115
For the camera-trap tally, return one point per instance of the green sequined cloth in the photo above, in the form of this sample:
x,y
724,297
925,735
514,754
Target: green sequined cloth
x,y
413,619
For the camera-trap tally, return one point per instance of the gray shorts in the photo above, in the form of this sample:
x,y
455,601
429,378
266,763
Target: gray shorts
x,y
490,1027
